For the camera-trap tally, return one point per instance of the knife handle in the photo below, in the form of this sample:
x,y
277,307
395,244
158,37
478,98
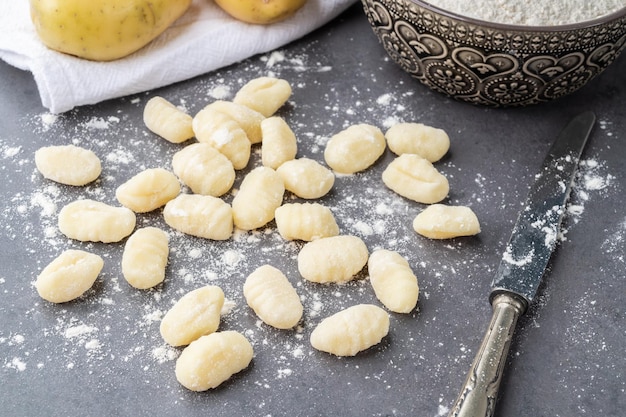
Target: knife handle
x,y
480,391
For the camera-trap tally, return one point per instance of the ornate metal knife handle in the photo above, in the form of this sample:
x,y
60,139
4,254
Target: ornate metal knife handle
x,y
480,391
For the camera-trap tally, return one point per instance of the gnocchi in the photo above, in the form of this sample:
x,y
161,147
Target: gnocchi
x,y
148,190
204,169
415,178
260,194
166,120
440,221
195,314
212,359
393,281
224,134
200,215
351,330
279,142
306,178
264,94
68,164
68,276
305,221
145,257
92,221
272,297
428,142
246,118
334,259
355,148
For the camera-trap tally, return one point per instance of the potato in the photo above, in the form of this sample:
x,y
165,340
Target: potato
x,y
103,30
261,12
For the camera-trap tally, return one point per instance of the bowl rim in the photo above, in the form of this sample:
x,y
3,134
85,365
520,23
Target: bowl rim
x,y
587,24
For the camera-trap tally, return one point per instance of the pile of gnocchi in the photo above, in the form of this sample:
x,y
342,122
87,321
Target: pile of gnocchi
x,y
190,197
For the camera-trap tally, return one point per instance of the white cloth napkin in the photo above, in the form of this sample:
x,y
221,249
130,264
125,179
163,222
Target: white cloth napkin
x,y
202,40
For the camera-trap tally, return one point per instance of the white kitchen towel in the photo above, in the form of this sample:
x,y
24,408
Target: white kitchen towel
x,y
202,40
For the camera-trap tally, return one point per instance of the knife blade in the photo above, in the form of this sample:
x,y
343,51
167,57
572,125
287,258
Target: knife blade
x,y
523,265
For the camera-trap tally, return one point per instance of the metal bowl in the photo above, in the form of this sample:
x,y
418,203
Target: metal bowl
x,y
494,64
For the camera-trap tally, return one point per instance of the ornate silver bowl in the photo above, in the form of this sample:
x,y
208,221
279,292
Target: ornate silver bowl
x,y
494,64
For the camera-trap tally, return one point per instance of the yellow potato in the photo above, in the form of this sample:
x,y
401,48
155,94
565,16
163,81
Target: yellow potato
x,y
261,12
103,30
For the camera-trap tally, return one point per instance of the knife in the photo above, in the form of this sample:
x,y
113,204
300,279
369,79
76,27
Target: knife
x,y
522,267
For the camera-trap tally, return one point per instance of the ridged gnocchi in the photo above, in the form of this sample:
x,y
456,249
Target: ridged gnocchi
x,y
355,148
145,257
68,276
224,134
393,281
428,142
264,94
204,169
440,221
415,178
260,194
166,120
272,297
334,259
248,119
351,330
92,221
68,164
306,178
200,215
195,314
305,221
212,359
279,142
148,190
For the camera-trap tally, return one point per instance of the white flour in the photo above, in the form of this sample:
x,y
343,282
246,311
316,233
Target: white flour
x,y
533,12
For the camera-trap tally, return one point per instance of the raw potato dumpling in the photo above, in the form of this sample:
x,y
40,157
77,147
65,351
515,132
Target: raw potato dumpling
x,y
264,95
68,276
393,281
445,222
68,164
415,178
352,330
167,120
204,169
272,297
306,178
305,221
145,257
213,359
148,190
246,118
93,221
260,194
223,133
195,314
355,148
200,215
279,142
428,142
332,259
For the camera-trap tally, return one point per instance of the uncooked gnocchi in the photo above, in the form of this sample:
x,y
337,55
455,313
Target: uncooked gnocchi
x,y
195,314
355,148
167,120
68,164
306,178
428,142
200,215
145,257
305,221
393,281
279,142
68,276
351,331
248,119
92,221
224,134
332,259
272,297
415,178
204,169
440,221
264,94
148,190
213,359
260,194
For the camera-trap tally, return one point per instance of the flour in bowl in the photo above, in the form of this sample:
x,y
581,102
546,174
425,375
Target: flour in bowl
x,y
531,13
